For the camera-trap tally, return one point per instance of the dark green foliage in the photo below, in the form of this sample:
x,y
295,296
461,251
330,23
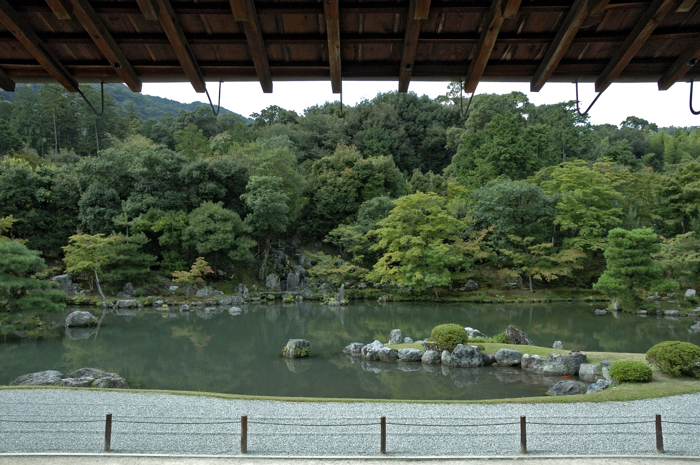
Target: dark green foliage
x,y
630,371
676,358
447,336
127,263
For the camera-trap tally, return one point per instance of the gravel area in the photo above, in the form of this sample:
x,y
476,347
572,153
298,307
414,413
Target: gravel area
x,y
287,437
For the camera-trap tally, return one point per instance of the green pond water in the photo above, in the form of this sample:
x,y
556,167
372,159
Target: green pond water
x,y
240,354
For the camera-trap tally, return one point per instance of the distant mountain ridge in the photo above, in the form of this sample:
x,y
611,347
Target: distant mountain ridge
x,y
146,106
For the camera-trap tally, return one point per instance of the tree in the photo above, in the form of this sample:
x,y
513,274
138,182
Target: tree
x,y
88,254
630,266
191,143
680,258
423,244
199,268
127,262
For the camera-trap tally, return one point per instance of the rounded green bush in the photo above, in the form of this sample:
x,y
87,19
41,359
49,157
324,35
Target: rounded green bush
x,y
676,358
630,371
448,336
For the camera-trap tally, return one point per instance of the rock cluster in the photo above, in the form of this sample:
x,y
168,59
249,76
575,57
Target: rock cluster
x,y
84,377
297,348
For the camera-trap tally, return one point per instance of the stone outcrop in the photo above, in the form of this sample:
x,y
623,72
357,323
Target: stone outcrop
x,y
516,336
354,349
395,336
128,291
206,291
463,357
558,345
80,319
555,364
66,283
567,388
431,357
41,378
508,357
297,348
410,355
590,372
371,351
469,286
388,355
84,377
471,332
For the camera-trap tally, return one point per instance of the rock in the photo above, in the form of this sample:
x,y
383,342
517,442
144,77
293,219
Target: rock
x,y
242,292
589,372
642,312
508,357
410,355
362,286
78,319
371,351
158,303
237,300
690,293
354,349
127,292
555,364
471,332
235,311
605,368
408,340
600,311
515,336
78,334
558,345
89,372
334,303
671,313
126,303
184,308
430,357
85,381
293,279
385,298
696,327
324,288
215,293
204,292
41,378
489,359
210,309
470,286
173,288
567,388
340,295
297,348
109,382
66,283
616,307
670,294
388,355
463,357
598,386
307,293
225,302
395,336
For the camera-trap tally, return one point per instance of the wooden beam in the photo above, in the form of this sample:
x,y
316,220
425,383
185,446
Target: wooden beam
x,y
19,28
148,9
410,41
689,58
684,6
94,26
496,16
178,41
332,13
572,23
422,10
6,82
645,25
61,8
256,45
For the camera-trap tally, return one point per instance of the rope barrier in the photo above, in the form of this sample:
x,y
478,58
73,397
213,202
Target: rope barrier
x,y
681,423
311,425
449,426
177,422
589,424
51,421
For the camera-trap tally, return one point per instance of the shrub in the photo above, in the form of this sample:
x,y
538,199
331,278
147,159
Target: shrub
x,y
448,336
630,371
500,338
676,358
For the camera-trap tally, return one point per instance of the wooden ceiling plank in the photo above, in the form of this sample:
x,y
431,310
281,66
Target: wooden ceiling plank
x,y
331,12
645,25
19,28
684,6
178,41
94,26
6,82
487,40
256,45
689,58
410,42
572,23
148,9
61,8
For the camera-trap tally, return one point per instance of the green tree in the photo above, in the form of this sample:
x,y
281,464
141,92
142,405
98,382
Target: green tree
x,y
191,143
86,254
680,258
199,269
127,262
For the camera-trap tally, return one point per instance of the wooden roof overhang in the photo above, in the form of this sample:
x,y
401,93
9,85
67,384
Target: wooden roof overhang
x,y
536,41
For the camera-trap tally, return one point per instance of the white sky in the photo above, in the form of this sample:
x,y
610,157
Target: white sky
x,y
668,108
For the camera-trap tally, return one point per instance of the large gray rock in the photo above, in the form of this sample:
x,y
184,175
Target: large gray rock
x,y
689,293
555,364
489,359
590,372
463,357
126,303
109,382
78,319
225,301
272,282
386,354
85,381
567,388
558,345
88,372
66,283
297,348
354,349
127,292
605,369
371,351
293,280
340,295
598,386
516,336
471,332
205,292
242,292
672,313
407,340
469,286
431,357
395,336
508,357
41,378
410,355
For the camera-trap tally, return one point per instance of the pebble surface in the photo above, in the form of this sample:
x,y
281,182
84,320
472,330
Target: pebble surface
x,y
283,433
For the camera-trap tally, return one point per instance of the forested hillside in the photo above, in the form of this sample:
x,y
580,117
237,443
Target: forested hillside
x,y
405,189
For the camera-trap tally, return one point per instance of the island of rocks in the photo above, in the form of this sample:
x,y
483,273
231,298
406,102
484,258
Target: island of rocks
x,y
84,377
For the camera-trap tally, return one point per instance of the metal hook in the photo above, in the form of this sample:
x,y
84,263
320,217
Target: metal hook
x,y
589,106
696,113
102,96
218,107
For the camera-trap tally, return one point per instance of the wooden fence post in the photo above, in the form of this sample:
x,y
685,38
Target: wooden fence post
x,y
659,435
523,436
108,432
382,422
244,434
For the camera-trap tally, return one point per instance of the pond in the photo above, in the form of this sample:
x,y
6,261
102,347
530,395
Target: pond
x,y
218,352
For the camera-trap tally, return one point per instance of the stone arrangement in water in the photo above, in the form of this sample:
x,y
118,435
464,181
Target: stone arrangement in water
x,y
84,377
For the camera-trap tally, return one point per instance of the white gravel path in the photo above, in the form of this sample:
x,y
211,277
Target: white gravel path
x,y
128,437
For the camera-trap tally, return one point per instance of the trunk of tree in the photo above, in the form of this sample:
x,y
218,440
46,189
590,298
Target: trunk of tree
x,y
97,140
530,278
435,291
263,261
55,133
99,288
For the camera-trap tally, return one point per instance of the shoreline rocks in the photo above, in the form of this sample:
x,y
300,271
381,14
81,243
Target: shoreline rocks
x,y
80,319
84,377
297,348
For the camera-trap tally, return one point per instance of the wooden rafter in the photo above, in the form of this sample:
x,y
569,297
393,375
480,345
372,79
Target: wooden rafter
x,y
417,11
244,12
6,82
645,25
684,63
684,6
176,37
148,9
94,26
18,26
61,8
331,12
500,10
572,23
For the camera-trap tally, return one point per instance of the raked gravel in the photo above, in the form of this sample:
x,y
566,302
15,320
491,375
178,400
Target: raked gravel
x,y
286,437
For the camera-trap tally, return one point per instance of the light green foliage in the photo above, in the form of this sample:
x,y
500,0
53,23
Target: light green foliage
x,y
680,258
423,244
334,269
676,358
447,336
428,182
630,371
5,225
680,202
191,143
127,262
630,266
198,270
86,254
